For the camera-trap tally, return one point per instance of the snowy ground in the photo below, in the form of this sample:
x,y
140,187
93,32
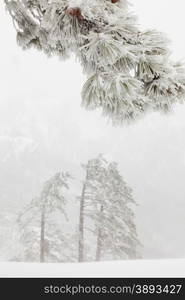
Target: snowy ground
x,y
144,268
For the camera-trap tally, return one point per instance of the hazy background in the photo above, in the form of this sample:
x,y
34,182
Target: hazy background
x,y
43,129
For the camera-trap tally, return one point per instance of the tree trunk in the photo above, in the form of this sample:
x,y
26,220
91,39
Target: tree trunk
x,y
42,235
81,222
99,238
81,225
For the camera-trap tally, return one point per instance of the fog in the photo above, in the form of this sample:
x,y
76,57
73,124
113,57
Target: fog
x,y
43,129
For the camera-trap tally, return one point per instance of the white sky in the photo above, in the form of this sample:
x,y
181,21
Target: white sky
x,y
45,94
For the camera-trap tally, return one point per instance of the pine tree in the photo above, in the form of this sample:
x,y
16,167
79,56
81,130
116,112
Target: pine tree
x,y
86,202
129,71
108,206
117,235
36,220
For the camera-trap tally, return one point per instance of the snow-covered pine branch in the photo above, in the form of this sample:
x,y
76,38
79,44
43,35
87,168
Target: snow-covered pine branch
x,y
129,71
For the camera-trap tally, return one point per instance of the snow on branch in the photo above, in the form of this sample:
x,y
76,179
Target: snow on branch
x,y
129,71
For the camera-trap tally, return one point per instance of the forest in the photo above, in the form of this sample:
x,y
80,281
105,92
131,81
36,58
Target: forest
x,y
98,224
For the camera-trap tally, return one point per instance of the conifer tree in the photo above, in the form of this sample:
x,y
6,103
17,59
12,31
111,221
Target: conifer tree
x,y
36,220
129,71
108,206
116,230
